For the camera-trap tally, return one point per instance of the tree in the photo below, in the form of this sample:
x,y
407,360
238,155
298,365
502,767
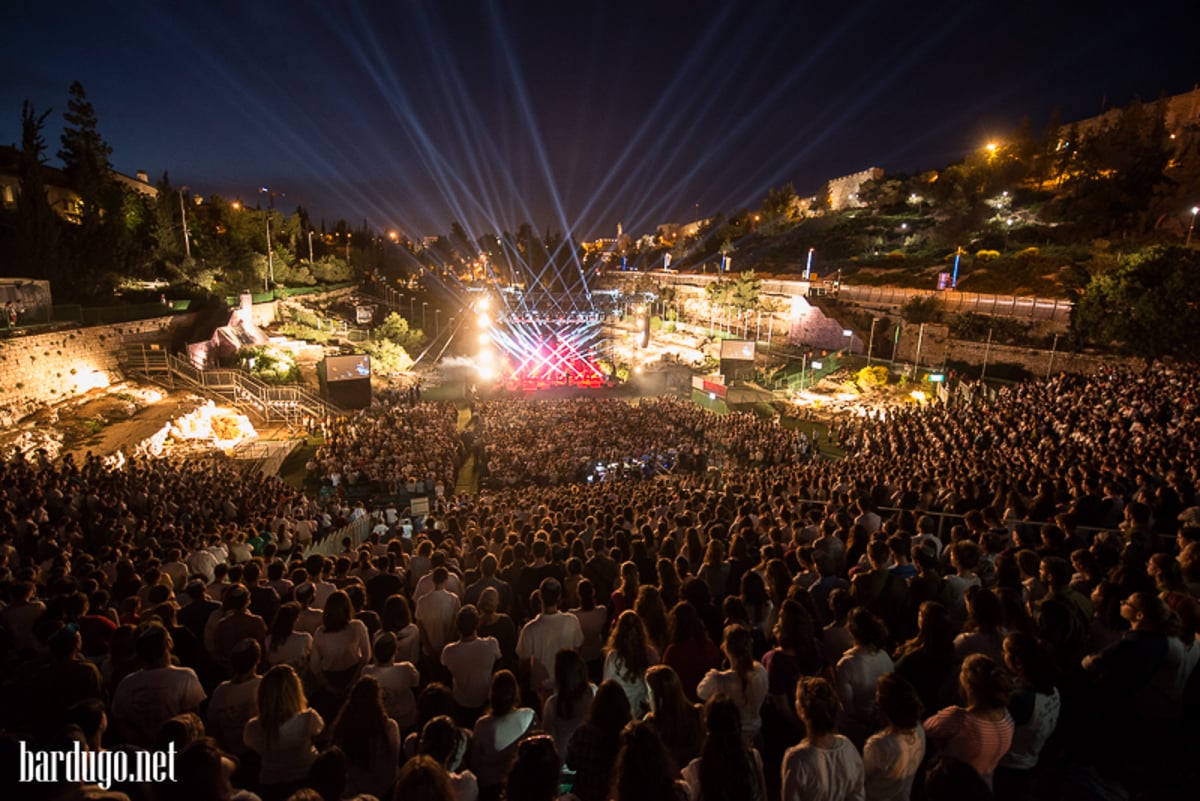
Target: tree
x,y
1149,305
38,230
84,155
395,328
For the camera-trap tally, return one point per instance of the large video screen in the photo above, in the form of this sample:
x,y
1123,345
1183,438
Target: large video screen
x,y
347,368
737,350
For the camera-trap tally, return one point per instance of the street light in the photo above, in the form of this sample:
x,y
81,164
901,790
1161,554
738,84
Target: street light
x,y
310,251
269,280
437,320
871,340
1195,211
424,314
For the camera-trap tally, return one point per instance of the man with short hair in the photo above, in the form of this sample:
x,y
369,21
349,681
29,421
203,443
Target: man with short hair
x,y
435,613
488,578
543,637
147,698
471,661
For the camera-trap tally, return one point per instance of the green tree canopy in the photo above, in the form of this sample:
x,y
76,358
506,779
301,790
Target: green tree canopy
x,y
1149,305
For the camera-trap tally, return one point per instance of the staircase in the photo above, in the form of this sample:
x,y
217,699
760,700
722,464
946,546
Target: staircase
x,y
261,402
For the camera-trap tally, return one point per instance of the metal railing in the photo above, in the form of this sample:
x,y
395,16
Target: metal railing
x,y
264,402
331,543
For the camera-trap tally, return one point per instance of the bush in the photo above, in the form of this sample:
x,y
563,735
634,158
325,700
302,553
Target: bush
x,y
873,377
988,255
896,255
1028,253
387,356
922,309
269,364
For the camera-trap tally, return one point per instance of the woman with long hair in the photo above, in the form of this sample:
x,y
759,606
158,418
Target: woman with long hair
x,y
628,657
858,673
825,766
727,769
983,633
796,654
669,583
534,773
745,681
927,660
285,645
566,709
341,648
423,779
715,570
369,738
643,771
673,715
498,731
757,603
283,731
625,595
593,747
397,618
442,739
981,732
691,653
649,607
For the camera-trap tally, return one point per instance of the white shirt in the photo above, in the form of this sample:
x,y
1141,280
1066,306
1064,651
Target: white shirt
x,y
543,637
471,664
293,651
435,612
339,650
858,672
890,763
396,683
749,700
289,755
146,699
823,774
229,710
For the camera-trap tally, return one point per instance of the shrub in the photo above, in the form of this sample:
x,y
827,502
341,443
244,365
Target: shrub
x,y
873,377
269,364
1028,253
896,255
988,255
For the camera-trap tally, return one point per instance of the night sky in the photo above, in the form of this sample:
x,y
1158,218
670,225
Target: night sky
x,y
571,115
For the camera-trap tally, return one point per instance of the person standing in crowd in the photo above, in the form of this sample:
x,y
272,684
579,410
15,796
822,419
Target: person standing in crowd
x,y
543,637
825,766
471,661
283,732
745,681
980,733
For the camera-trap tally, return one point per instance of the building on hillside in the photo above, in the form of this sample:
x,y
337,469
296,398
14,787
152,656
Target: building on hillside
x,y
843,192
64,200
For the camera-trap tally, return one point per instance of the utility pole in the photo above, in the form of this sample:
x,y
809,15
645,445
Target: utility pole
x,y
269,280
987,349
187,245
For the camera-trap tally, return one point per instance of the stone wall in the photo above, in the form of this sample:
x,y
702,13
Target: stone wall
x,y
937,348
38,370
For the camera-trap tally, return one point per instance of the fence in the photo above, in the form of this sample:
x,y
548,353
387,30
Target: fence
x,y
1028,308
265,402
331,543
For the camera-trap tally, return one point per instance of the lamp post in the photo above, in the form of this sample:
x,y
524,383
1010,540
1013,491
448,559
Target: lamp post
x,y
348,235
871,340
437,320
187,245
424,314
310,251
1195,211
815,365
412,299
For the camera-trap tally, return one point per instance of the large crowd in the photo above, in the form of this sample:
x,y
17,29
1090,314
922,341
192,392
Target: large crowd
x,y
995,598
